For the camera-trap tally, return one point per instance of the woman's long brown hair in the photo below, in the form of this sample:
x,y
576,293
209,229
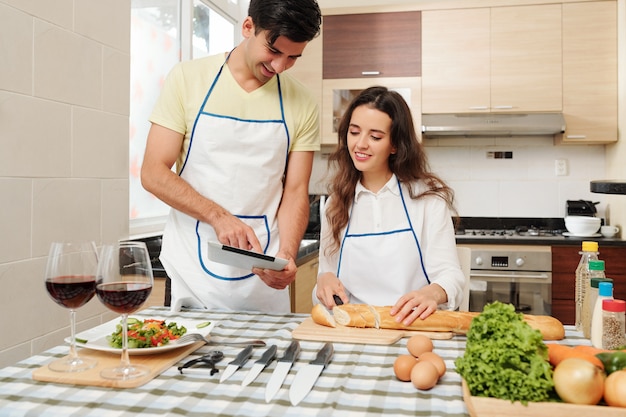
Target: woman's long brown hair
x,y
409,163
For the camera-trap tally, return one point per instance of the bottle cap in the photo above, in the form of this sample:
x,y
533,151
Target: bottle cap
x,y
596,265
590,246
605,289
614,306
597,280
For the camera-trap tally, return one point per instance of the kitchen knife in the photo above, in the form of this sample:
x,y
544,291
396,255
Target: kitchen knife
x,y
237,363
282,369
306,377
267,357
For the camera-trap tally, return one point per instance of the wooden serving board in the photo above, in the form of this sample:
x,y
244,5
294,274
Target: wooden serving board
x,y
309,330
494,407
157,363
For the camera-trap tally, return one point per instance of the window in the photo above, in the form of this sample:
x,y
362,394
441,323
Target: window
x,y
164,32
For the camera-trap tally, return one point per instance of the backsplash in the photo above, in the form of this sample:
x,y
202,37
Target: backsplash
x,y
525,185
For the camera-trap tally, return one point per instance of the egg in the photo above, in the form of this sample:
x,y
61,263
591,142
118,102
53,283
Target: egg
x,y
436,360
419,344
424,375
402,367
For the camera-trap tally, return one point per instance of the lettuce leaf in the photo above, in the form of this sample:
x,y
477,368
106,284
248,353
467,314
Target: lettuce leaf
x,y
505,358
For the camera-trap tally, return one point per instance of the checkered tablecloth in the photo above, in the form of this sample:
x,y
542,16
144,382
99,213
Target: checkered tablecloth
x,y
358,382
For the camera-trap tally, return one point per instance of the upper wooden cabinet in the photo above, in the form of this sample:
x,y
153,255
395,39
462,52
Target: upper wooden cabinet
x,y
589,73
372,45
506,59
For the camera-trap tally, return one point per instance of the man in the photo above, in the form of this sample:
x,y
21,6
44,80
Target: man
x,y
242,135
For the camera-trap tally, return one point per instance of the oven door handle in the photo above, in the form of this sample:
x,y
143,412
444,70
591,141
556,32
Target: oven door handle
x,y
513,275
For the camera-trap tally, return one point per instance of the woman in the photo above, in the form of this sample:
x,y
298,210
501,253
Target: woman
x,y
387,233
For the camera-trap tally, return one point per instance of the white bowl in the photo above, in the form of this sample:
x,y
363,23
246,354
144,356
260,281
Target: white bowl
x,y
582,225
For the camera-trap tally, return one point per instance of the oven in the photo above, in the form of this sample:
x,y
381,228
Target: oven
x,y
514,274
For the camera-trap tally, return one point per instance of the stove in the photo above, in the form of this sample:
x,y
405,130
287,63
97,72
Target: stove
x,y
511,260
495,228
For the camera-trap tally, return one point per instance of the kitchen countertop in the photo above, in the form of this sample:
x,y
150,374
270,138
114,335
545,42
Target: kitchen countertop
x,y
543,241
309,249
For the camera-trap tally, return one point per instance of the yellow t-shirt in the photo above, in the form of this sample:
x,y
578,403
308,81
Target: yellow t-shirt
x,y
188,83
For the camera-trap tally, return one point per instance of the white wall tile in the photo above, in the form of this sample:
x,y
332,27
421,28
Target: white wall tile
x,y
115,78
107,22
35,137
17,55
58,12
476,198
65,209
15,226
115,216
99,144
24,295
68,67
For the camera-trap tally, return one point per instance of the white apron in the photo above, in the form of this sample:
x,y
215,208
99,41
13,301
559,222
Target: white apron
x,y
392,258
240,165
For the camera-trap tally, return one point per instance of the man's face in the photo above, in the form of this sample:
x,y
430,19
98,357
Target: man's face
x,y
265,60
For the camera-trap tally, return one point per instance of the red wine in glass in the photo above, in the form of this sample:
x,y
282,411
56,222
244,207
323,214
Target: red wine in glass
x,y
71,291
123,297
123,283
70,281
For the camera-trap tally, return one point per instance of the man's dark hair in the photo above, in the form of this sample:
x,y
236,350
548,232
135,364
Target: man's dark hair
x,y
298,20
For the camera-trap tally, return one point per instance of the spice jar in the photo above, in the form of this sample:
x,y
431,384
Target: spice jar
x,y
613,323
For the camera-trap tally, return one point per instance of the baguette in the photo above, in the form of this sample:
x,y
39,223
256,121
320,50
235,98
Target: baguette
x,y
550,327
320,315
363,315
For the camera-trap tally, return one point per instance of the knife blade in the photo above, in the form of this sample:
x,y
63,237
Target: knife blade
x,y
267,357
307,376
282,369
241,358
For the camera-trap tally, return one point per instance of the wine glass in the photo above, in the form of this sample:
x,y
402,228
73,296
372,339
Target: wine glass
x,y
71,282
123,283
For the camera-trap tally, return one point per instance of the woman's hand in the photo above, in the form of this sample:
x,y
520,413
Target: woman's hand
x,y
418,304
328,285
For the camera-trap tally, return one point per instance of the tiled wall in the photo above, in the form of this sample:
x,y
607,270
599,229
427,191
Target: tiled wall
x,y
523,186
64,105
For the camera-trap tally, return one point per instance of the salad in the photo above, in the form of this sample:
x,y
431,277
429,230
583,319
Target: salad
x,y
147,333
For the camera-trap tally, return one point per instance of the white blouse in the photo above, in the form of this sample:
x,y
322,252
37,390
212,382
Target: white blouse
x,y
431,221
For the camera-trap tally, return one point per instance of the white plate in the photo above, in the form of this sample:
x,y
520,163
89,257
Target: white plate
x,y
576,235
96,337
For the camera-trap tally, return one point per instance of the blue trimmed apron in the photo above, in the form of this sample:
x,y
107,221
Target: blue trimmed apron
x,y
379,267
240,165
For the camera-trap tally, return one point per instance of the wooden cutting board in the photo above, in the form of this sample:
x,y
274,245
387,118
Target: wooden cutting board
x,y
157,363
309,330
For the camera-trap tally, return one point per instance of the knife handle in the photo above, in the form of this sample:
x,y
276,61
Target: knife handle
x,y
324,355
268,355
242,357
292,352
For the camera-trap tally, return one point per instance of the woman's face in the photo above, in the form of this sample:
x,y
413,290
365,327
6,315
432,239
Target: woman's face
x,y
369,141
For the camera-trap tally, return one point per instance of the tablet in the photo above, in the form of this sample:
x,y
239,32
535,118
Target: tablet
x,y
242,258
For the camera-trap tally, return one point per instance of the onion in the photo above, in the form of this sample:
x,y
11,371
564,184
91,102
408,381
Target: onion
x,y
578,381
615,389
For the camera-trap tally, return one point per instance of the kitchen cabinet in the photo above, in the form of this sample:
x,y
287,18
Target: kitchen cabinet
x,y
372,45
338,93
302,288
589,73
564,263
500,59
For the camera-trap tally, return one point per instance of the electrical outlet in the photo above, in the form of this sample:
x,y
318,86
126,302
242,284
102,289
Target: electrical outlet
x,y
560,167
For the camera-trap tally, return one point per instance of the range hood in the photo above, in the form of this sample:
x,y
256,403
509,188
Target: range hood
x,y
492,124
